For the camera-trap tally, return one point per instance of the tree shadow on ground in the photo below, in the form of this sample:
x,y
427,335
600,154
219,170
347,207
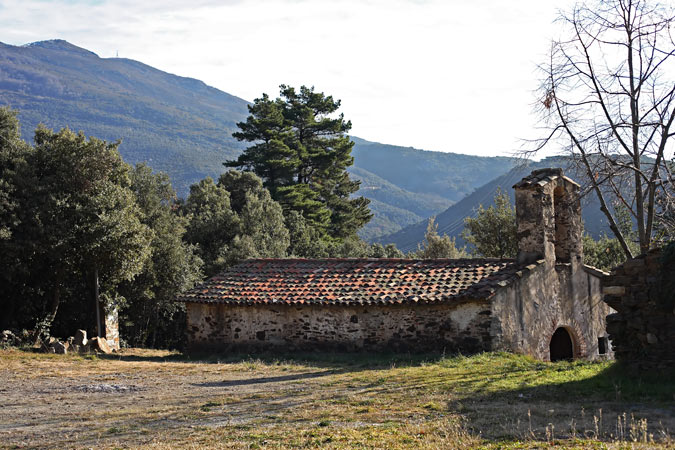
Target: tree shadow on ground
x,y
276,379
337,361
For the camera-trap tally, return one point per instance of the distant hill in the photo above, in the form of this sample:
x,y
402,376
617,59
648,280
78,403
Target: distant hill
x,y
183,127
451,221
406,185
178,125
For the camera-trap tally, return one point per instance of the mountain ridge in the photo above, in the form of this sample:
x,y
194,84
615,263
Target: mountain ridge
x,y
184,127
451,221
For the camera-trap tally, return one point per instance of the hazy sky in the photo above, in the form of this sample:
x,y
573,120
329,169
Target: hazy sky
x,y
454,75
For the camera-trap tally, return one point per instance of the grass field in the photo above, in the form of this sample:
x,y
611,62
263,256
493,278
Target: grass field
x,y
158,399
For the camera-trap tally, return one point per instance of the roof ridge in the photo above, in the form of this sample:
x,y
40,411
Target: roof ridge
x,y
370,259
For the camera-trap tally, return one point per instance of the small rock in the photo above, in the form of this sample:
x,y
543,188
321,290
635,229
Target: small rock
x,y
80,338
59,347
10,338
652,339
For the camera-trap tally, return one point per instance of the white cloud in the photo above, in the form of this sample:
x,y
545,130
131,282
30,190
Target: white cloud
x,y
441,75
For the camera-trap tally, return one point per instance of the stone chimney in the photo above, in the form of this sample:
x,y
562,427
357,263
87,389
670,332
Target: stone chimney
x,y
548,217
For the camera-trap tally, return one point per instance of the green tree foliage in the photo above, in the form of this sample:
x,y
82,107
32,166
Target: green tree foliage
x,y
13,154
76,230
605,253
87,220
229,225
212,224
305,241
301,152
386,251
262,232
151,316
436,246
493,230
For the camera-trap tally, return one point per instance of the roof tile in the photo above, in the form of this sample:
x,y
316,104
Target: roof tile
x,y
354,281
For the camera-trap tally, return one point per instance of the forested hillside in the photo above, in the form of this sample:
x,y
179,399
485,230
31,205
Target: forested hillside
x,y
178,125
451,221
183,127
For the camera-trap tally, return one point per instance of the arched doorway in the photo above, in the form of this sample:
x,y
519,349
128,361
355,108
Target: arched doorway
x,y
561,347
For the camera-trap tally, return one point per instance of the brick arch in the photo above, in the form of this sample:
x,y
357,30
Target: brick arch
x,y
579,347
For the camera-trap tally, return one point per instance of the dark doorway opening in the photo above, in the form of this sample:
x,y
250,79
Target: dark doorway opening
x,y
561,346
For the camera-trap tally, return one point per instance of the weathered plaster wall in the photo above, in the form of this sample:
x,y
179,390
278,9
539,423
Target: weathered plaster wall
x,y
417,327
642,291
556,290
527,313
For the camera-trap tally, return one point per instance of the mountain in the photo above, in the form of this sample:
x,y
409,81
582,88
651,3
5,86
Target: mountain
x,y
406,185
178,125
451,221
183,127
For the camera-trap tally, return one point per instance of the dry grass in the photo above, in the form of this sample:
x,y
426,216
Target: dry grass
x,y
157,399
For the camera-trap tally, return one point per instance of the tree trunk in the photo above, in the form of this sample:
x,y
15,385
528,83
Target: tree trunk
x,y
96,304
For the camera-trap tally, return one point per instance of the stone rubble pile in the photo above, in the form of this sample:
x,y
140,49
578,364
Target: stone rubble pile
x,y
74,344
10,339
642,330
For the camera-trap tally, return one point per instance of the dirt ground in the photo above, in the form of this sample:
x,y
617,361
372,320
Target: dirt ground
x,y
142,398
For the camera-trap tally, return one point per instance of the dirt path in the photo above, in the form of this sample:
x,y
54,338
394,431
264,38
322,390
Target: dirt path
x,y
91,403
152,399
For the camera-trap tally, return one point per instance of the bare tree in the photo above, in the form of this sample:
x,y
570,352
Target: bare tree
x,y
608,96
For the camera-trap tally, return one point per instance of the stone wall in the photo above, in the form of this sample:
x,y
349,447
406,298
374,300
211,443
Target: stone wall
x,y
417,327
545,298
642,330
548,217
111,330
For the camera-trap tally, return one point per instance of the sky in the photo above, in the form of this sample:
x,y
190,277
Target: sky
x,y
446,75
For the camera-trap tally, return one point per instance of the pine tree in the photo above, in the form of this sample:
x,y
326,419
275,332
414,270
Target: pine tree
x,y
301,151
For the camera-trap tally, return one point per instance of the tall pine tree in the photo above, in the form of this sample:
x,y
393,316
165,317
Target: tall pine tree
x,y
301,151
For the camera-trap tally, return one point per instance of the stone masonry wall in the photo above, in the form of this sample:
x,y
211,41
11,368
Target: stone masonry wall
x,y
398,327
527,312
643,328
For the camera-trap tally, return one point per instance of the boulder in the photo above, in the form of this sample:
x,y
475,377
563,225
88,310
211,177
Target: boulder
x,y
99,344
38,344
80,338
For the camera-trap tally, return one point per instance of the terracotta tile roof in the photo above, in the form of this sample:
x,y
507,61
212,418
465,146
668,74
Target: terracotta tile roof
x,y
354,281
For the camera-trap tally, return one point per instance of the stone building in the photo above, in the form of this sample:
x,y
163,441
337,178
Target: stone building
x,y
546,303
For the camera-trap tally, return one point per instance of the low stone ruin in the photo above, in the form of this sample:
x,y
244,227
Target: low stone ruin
x,y
642,291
